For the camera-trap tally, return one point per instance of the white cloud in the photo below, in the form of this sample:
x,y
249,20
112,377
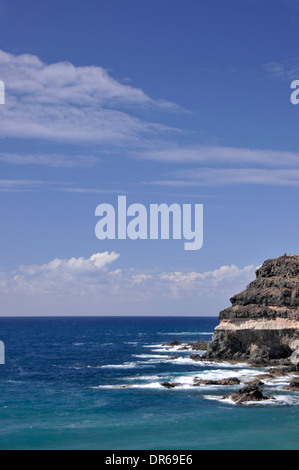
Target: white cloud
x,y
64,102
66,285
75,266
223,281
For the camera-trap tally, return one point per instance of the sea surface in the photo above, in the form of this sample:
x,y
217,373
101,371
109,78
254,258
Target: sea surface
x,y
95,383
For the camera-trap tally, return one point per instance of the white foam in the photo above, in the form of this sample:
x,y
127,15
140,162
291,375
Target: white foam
x,y
151,385
168,349
110,387
143,377
277,400
126,365
220,399
150,356
197,333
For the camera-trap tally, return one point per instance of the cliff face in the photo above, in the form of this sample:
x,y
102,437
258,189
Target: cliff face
x,y
263,322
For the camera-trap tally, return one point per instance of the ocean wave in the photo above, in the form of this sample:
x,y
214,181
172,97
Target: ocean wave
x,y
191,333
152,385
108,387
144,377
277,400
166,349
151,356
126,365
278,381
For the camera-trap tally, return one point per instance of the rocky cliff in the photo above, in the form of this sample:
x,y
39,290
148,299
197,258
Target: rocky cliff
x,y
262,325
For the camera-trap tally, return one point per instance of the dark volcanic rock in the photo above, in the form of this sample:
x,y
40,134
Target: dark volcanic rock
x,y
262,325
294,385
248,393
173,343
170,384
200,345
196,357
228,381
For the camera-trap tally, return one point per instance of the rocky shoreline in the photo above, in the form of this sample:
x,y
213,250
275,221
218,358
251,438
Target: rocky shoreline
x,y
262,324
250,391
260,328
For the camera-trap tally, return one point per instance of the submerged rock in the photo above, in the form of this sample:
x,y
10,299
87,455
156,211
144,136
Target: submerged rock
x,y
170,384
228,381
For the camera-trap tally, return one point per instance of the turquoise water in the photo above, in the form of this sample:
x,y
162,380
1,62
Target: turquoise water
x,y
54,395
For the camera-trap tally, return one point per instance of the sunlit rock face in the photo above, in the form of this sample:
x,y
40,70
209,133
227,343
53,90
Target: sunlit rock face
x,y
262,324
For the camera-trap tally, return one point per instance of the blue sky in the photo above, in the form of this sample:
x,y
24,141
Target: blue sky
x,y
169,101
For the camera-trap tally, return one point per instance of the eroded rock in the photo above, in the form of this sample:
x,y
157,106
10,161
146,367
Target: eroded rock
x,y
262,325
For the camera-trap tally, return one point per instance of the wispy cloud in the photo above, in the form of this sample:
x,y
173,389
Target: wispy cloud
x,y
11,185
79,190
216,165
222,155
22,185
62,101
286,70
230,176
51,160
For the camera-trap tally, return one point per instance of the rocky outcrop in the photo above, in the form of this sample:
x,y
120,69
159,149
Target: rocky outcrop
x,y
229,381
170,384
199,345
262,324
293,386
249,393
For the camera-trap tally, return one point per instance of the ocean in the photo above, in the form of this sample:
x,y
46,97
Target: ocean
x,y
95,383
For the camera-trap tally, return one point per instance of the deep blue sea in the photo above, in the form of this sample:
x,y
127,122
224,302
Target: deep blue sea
x,y
95,383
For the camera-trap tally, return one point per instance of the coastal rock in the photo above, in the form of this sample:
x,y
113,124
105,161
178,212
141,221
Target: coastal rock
x,y
255,382
196,357
293,386
173,343
200,345
228,381
170,384
247,394
262,324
